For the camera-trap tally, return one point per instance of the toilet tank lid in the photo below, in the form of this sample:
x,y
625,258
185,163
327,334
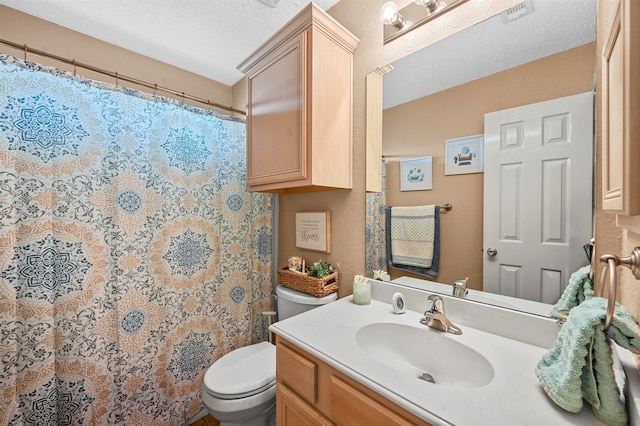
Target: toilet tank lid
x,y
303,298
243,371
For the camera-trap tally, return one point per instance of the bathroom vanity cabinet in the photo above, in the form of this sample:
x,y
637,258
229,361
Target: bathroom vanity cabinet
x,y
621,114
299,110
311,392
350,364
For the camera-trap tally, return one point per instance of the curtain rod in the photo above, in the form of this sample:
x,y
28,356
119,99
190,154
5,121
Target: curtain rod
x,y
115,75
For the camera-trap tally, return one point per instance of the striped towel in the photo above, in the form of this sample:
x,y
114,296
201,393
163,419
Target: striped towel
x,y
413,235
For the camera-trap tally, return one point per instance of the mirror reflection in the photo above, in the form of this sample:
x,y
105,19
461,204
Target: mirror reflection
x,y
443,92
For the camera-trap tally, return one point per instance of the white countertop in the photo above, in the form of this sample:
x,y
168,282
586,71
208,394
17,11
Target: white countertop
x,y
513,397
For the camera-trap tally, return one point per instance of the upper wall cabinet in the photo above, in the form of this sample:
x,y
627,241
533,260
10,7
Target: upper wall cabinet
x,y
299,112
621,114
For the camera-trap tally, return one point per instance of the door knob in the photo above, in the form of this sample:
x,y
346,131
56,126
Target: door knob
x,y
492,252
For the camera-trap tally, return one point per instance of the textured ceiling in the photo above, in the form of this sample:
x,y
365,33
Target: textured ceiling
x,y
491,46
206,37
211,37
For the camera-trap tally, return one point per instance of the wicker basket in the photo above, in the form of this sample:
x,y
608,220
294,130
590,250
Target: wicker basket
x,y
302,282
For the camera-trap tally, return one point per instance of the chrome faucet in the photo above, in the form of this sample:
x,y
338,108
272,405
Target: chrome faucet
x,y
460,288
434,316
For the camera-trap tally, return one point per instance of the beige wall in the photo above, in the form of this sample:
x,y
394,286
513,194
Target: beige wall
x,y
21,28
420,127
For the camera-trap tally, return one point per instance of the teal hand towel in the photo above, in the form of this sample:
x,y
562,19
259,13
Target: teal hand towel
x,y
579,289
580,365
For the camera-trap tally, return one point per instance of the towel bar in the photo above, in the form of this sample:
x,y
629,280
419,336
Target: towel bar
x,y
611,262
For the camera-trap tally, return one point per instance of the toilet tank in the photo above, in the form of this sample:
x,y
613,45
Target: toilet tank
x,y
291,302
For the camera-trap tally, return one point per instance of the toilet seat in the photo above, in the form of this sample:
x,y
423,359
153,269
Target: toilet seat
x,y
242,372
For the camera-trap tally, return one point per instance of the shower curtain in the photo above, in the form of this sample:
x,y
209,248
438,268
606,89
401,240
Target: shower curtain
x,y
131,255
375,234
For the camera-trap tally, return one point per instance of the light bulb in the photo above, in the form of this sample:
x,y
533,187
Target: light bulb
x,y
389,13
430,5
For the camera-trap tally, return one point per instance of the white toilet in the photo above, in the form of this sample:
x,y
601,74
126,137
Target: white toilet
x,y
240,387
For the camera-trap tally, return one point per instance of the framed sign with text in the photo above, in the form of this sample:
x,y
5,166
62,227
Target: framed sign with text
x,y
313,231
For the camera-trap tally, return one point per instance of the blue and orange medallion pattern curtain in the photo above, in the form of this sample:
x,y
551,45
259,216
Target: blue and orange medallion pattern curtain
x,y
375,233
131,255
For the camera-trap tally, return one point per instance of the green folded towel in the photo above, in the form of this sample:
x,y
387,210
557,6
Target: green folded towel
x,y
579,366
579,289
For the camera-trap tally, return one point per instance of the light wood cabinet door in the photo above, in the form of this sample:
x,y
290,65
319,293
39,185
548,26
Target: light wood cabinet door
x,y
300,106
277,151
621,112
350,406
291,410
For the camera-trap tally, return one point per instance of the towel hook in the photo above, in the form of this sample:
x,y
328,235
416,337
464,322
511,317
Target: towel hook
x,y
611,262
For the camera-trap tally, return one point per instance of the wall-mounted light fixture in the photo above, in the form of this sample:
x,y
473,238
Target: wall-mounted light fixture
x,y
400,21
390,15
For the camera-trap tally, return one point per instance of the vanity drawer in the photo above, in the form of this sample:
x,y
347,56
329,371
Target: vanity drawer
x,y
298,372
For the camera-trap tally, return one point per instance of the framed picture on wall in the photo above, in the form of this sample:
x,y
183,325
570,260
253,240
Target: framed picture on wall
x,y
313,231
415,174
464,155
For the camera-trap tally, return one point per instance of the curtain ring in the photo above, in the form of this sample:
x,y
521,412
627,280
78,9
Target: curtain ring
x,y
155,88
25,51
116,78
74,67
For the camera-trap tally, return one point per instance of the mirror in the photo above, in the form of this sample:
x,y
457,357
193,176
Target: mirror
x,y
442,92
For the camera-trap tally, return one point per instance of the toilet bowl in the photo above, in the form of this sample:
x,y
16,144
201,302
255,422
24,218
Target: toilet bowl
x,y
240,388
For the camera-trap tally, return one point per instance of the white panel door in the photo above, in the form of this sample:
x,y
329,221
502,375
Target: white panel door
x,y
538,196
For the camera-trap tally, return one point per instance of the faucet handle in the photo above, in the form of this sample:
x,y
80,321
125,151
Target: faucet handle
x,y
435,304
428,316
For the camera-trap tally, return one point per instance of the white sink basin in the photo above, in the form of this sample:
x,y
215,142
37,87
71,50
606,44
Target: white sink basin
x,y
414,351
